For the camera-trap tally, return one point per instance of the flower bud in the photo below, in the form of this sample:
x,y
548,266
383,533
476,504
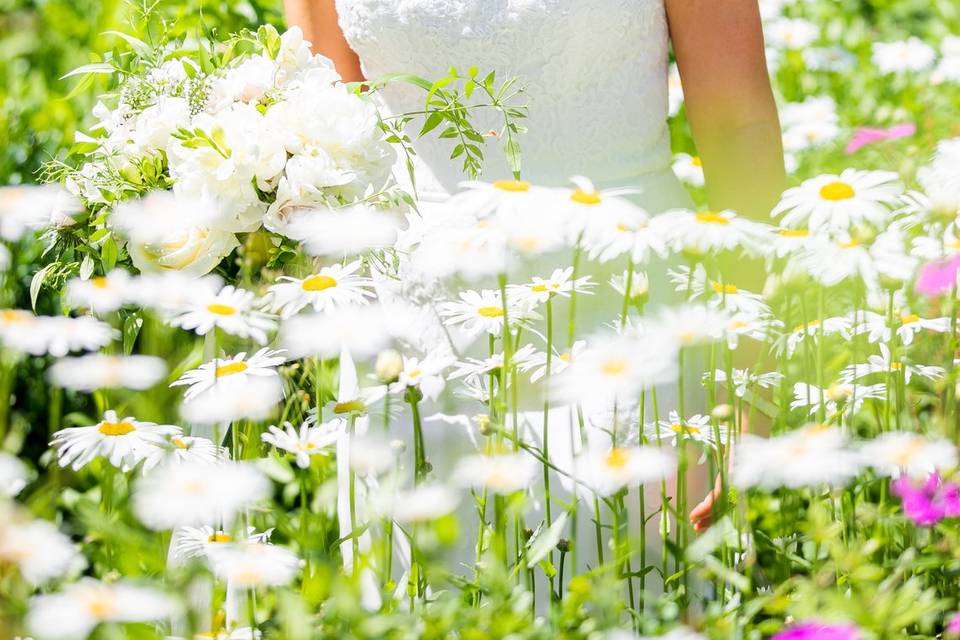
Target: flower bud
x,y
722,412
389,365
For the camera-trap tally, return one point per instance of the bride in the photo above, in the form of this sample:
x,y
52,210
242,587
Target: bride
x,y
596,79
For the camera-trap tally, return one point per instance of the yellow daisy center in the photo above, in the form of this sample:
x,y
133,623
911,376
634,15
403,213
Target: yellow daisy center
x,y
566,356
852,244
512,185
14,315
696,161
539,288
116,428
230,369
99,282
711,217
101,606
793,233
585,197
910,318
490,312
221,309
179,443
835,191
318,283
903,458
724,288
220,536
614,367
676,427
349,406
617,458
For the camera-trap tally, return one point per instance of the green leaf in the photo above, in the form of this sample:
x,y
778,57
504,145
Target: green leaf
x,y
139,46
431,123
92,68
36,282
131,329
108,253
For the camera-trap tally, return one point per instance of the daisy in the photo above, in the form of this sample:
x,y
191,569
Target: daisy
x,y
900,453
504,199
371,456
101,294
235,370
615,369
584,203
830,326
423,504
831,262
908,326
623,229
231,310
840,202
334,286
307,441
808,134
910,55
847,396
196,494
74,612
834,59
721,295
884,364
690,325
810,456
39,551
689,169
502,473
24,208
472,368
608,470
123,442
344,231
425,374
253,565
363,331
639,286
196,542
14,475
255,400
173,291
483,312
697,428
96,371
755,327
700,233
61,334
185,449
791,33
558,284
537,362
744,379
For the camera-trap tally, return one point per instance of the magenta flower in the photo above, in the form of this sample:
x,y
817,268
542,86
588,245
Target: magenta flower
x,y
953,625
937,278
813,630
927,503
868,135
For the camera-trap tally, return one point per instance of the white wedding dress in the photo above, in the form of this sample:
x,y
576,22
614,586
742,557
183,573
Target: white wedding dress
x,y
594,73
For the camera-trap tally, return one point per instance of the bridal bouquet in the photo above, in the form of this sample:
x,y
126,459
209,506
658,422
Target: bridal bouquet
x,y
310,407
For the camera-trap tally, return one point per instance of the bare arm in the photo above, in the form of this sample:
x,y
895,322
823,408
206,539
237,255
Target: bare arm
x,y
719,49
318,19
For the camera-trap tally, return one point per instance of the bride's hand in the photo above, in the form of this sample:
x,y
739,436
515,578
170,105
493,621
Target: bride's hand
x,y
701,515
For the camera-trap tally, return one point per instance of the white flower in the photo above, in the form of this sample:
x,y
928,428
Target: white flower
x,y
123,442
689,169
690,325
619,228
831,261
101,294
743,379
674,90
884,364
253,565
607,470
305,442
422,504
757,327
231,310
27,207
791,33
722,295
848,396
675,428
361,330
185,449
343,231
832,58
560,360
840,202
38,550
74,612
639,285
483,312
334,286
539,290
910,55
14,475
911,454
812,328
256,399
908,325
425,374
196,542
616,369
705,232
195,494
96,371
233,371
172,291
501,473
813,455
55,335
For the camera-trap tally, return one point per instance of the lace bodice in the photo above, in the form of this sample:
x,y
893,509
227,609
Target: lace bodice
x,y
595,73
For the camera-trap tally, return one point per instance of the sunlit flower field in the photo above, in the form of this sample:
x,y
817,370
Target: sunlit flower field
x,y
256,390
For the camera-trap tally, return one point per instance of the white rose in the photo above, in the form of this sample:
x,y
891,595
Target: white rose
x,y
195,251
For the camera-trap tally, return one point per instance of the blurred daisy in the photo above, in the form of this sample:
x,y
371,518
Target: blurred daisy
x,y
885,364
910,454
537,362
504,199
674,90
344,231
755,327
419,505
704,232
334,286
361,330
622,229
196,542
425,374
697,428
231,310
539,290
503,473
790,241
845,396
372,455
689,169
85,333
235,370
482,312
197,494
810,456
908,325
840,202
720,295
14,475
835,59
173,291
812,328
253,565
832,261
744,379
100,294
305,442
255,400
96,371
691,324
185,449
583,203
123,442
639,286
608,470
473,368
38,550
902,56
74,612
791,33
24,208
807,134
